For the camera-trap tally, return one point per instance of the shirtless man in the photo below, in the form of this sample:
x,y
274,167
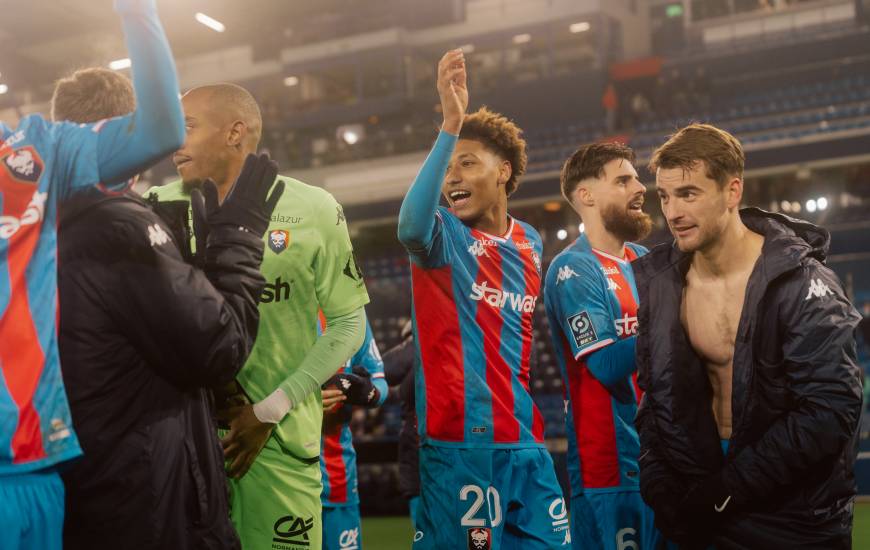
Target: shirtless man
x,y
746,355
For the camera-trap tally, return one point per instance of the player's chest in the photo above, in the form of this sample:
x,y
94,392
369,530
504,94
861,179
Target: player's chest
x,y
710,314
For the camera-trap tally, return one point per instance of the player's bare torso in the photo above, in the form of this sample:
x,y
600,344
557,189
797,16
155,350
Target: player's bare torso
x,y
710,312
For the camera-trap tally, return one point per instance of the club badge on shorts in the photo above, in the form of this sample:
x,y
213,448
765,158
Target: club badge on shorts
x,y
279,240
479,538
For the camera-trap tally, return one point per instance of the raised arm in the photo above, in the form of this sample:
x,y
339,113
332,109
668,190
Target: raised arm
x,y
129,144
417,214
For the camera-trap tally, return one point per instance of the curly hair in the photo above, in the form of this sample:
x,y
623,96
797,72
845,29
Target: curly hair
x,y
501,136
588,162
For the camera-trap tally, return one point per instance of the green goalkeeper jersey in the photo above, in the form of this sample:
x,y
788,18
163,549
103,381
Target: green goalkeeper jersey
x,y
308,265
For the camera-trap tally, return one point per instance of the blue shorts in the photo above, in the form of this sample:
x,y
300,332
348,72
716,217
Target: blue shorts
x,y
489,499
31,511
610,519
341,528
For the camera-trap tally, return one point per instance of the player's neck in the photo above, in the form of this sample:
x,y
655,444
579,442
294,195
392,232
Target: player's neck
x,y
603,240
736,250
493,222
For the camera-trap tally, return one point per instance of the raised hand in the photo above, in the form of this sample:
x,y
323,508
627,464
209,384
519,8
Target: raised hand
x,y
453,90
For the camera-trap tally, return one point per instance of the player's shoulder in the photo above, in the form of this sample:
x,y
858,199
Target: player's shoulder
x,y
571,262
299,195
173,190
530,232
638,249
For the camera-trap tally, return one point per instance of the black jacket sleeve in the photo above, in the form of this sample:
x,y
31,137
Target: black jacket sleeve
x,y
823,381
398,361
194,327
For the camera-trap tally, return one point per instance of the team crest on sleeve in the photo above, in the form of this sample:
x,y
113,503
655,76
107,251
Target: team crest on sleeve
x,y
279,240
582,329
479,538
24,164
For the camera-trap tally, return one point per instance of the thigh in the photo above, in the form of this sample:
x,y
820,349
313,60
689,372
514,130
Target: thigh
x,y
278,503
536,514
459,506
341,528
32,511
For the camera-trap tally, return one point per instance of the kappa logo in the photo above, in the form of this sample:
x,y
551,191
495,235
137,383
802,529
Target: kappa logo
x,y
582,329
157,235
339,215
818,289
611,285
291,532
279,240
626,325
536,260
565,272
478,247
500,298
479,538
349,539
24,164
9,225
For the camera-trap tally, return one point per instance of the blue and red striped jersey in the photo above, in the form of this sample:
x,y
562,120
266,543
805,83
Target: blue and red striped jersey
x,y
474,296
337,455
591,303
40,164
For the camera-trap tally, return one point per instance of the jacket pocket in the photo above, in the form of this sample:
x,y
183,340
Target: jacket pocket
x,y
197,499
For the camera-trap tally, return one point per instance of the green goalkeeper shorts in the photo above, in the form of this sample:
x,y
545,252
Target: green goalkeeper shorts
x,y
276,505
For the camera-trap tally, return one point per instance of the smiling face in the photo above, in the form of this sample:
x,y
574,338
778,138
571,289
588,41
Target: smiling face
x,y
475,180
696,207
618,195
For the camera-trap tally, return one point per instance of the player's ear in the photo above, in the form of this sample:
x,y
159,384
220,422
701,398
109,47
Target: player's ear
x,y
734,192
504,172
582,195
236,134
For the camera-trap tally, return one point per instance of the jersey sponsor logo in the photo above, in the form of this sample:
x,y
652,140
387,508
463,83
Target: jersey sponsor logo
x,y
582,329
525,245
157,235
818,289
479,538
349,539
611,284
275,292
13,139
626,325
501,299
278,218
609,270
565,272
9,225
59,430
559,514
24,164
291,532
279,240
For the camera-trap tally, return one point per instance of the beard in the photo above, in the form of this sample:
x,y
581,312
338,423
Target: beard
x,y
624,224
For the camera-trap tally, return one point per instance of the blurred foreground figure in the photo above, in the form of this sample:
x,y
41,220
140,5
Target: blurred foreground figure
x,y
746,352
42,163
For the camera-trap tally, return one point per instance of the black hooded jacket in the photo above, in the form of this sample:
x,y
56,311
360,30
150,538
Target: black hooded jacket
x,y
142,334
796,396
